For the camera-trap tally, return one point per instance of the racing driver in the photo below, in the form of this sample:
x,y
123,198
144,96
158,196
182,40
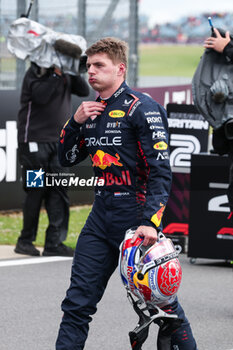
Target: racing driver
x,y
125,133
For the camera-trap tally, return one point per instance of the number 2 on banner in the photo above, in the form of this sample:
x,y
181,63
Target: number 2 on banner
x,y
185,146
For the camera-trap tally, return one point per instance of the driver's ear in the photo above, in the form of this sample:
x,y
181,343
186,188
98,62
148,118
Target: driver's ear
x,y
122,69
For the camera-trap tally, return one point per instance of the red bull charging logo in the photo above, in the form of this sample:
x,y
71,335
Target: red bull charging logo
x,y
104,160
169,277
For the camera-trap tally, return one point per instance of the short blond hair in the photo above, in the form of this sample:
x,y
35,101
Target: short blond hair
x,y
116,49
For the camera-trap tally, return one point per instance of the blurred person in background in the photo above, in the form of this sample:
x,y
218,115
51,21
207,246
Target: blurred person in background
x,y
223,136
44,105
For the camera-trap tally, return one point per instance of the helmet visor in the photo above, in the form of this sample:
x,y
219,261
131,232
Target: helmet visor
x,y
158,250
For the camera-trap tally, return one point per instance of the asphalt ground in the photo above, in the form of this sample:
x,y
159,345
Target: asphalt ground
x,y
31,291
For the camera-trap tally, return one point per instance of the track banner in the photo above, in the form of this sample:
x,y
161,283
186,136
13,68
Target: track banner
x,y
188,135
210,231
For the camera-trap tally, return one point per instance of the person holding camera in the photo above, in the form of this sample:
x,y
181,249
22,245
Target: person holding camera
x,y
223,136
44,105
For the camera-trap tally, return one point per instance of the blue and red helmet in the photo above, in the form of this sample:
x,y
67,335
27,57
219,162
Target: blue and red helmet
x,y
153,274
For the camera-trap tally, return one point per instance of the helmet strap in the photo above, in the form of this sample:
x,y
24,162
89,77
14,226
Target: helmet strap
x,y
167,324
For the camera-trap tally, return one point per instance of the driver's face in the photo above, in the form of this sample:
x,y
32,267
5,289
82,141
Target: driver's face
x,y
103,73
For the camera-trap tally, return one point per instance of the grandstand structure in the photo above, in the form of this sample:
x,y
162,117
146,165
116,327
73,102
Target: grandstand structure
x,y
89,18
187,29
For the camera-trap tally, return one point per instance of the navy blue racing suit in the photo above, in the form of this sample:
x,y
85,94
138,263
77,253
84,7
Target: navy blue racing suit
x,y
128,146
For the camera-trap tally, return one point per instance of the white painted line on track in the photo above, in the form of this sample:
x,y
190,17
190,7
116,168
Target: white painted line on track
x,y
31,261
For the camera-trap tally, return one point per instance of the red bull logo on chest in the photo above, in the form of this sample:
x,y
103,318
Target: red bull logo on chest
x,y
103,160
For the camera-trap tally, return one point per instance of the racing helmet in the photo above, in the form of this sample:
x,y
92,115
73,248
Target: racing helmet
x,y
153,274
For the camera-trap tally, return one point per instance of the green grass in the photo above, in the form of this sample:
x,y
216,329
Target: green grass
x,y
169,60
11,224
8,64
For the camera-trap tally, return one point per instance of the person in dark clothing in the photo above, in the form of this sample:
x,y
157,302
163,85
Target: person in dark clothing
x,y
223,137
222,145
126,135
45,104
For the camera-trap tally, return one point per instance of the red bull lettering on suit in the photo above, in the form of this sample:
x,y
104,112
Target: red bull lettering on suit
x,y
110,179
